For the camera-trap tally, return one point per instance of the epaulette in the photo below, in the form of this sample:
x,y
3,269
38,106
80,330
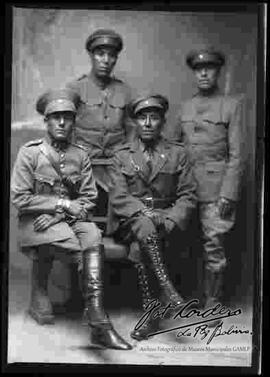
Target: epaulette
x,y
33,142
84,148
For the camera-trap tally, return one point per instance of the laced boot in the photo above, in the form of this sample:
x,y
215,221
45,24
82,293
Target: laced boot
x,y
213,282
151,325
40,306
103,334
152,248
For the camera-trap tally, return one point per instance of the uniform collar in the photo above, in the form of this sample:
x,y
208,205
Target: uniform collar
x,y
99,83
214,93
139,145
58,146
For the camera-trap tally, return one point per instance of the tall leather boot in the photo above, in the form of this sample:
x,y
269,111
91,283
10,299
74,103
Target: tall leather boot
x,y
102,332
152,248
151,325
213,282
40,306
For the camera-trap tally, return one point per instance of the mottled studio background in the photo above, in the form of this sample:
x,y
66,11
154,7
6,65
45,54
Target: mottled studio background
x,y
48,51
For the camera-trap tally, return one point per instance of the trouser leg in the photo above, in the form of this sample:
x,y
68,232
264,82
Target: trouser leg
x,y
40,306
214,231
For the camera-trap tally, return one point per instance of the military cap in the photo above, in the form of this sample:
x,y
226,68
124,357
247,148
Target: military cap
x,y
148,100
104,37
204,56
58,100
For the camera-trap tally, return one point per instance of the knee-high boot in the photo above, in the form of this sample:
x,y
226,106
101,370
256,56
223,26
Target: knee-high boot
x,y
144,284
102,332
40,306
150,325
152,247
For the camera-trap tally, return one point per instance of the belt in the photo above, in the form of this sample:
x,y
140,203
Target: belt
x,y
158,203
101,161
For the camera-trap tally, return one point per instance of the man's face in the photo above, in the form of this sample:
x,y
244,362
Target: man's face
x,y
150,122
60,124
103,61
206,76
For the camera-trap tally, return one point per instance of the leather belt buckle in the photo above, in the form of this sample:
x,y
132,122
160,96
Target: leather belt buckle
x,y
149,202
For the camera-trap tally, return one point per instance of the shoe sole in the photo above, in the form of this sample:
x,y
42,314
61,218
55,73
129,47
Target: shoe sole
x,y
139,338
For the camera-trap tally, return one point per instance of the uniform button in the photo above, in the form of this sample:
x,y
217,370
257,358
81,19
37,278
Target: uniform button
x,y
62,155
62,165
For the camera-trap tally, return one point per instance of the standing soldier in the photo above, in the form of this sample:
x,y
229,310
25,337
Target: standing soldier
x,y
210,126
152,197
53,188
102,122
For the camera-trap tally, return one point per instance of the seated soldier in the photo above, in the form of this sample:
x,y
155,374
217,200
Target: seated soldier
x,y
53,188
151,198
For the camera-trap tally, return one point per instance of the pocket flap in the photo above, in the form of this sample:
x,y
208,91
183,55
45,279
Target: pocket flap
x,y
44,178
117,101
215,120
91,100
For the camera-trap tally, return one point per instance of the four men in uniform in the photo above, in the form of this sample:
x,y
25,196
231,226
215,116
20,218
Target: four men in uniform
x,y
153,182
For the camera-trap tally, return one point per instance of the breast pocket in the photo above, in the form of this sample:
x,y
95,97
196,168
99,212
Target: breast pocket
x,y
117,102
43,184
116,108
89,105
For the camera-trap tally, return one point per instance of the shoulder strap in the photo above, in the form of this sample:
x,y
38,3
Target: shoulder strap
x,y
47,154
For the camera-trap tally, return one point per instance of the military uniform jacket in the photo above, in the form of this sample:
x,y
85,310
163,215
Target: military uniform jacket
x,y
211,128
170,181
36,188
102,121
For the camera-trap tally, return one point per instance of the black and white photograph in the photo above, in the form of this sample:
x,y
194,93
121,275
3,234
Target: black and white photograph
x,y
135,186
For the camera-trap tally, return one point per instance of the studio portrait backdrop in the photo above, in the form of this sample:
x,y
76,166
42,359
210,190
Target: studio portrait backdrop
x,y
48,51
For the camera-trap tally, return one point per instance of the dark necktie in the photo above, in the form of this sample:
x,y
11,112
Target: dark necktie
x,y
149,160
